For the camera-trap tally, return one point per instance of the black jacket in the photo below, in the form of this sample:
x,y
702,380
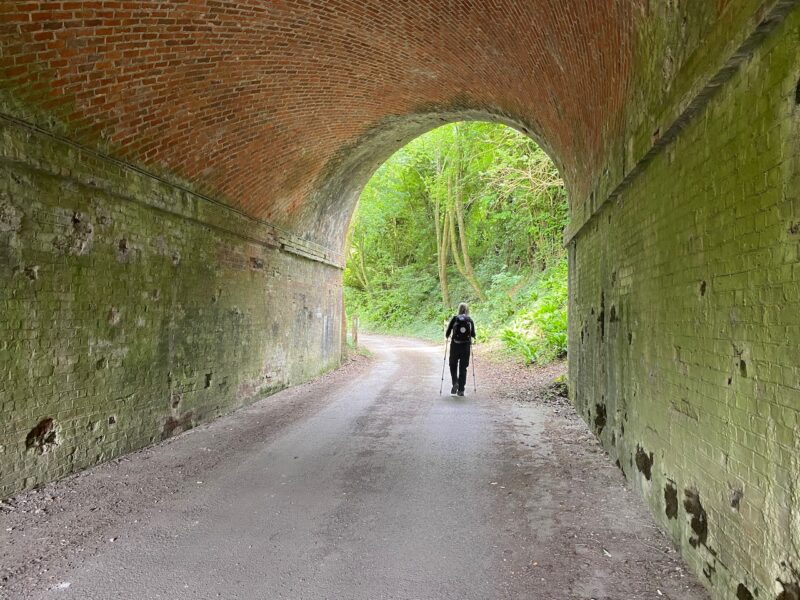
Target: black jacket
x,y
471,329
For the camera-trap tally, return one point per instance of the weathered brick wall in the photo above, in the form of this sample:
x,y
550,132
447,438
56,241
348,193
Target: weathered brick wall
x,y
133,310
685,329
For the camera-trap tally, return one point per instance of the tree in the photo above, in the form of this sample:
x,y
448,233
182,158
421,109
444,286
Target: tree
x,y
469,210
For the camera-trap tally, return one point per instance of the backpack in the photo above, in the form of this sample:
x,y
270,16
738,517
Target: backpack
x,y
462,330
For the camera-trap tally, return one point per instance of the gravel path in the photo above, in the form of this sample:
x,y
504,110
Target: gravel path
x,y
363,484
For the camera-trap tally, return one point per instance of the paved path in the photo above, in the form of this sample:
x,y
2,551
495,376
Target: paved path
x,y
386,491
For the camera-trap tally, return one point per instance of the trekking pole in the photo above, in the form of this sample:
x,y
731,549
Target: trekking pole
x,y
474,385
444,362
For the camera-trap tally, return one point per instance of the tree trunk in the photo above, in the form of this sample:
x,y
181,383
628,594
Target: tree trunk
x,y
361,271
442,235
469,272
364,276
464,266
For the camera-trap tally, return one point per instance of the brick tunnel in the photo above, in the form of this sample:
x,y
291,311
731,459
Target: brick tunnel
x,y
178,179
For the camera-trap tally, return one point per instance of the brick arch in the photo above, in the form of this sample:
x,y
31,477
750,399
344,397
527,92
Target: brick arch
x,y
327,213
255,103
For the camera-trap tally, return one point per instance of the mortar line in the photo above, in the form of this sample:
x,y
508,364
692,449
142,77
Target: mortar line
x,y
774,18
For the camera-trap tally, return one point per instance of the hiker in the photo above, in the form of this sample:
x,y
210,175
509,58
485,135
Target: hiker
x,y
463,329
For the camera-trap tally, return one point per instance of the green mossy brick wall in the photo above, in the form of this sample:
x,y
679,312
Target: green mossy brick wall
x,y
685,329
131,310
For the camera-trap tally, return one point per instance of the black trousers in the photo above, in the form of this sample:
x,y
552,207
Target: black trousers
x,y
459,361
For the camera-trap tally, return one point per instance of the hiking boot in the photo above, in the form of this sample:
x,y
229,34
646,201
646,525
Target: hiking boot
x,y
460,392
453,391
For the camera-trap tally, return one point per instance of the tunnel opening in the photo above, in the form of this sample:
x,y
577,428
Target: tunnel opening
x,y
188,152
471,211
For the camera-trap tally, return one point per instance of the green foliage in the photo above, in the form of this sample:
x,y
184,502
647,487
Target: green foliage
x,y
519,344
468,212
539,332
361,350
404,303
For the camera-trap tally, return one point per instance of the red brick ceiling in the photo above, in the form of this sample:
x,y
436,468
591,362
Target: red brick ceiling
x,y
250,101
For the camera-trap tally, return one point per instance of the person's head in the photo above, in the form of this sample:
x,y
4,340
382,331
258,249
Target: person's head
x,y
463,309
